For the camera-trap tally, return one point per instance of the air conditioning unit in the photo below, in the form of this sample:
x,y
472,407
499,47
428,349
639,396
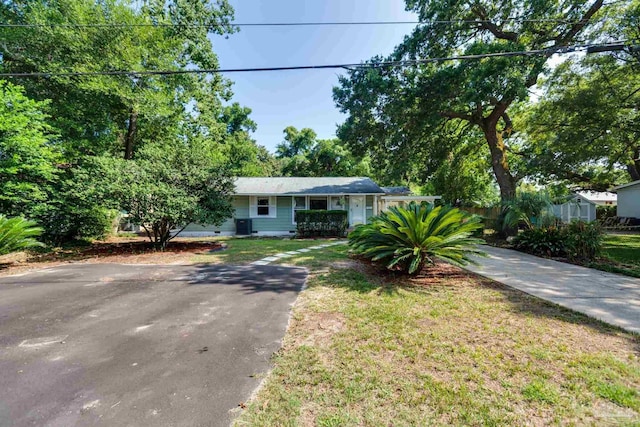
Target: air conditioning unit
x,y
243,227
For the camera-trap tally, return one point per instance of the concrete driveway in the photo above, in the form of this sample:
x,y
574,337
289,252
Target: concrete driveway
x,y
138,345
609,297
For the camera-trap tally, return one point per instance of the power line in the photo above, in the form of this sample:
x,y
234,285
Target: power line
x,y
387,64
288,24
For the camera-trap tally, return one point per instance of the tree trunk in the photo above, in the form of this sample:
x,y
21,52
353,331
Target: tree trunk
x,y
633,167
506,181
634,172
131,134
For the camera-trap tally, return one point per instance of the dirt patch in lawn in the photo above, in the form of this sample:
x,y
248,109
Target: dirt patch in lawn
x,y
323,326
130,251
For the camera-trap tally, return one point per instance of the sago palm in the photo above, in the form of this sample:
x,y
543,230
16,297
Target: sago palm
x,y
407,239
17,234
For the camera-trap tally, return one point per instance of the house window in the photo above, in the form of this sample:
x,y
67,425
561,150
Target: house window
x,y
263,207
318,203
299,204
337,203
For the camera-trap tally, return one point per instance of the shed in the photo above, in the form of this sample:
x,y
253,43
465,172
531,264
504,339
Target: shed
x,y
628,200
578,208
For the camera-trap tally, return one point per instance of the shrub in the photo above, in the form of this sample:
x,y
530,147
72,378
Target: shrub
x,y
406,239
578,240
548,241
604,212
321,223
66,222
583,240
528,209
17,234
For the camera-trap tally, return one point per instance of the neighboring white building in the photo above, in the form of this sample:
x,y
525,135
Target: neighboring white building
x,y
578,208
628,200
602,198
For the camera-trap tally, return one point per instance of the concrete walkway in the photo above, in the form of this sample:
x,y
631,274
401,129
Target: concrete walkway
x,y
268,260
609,297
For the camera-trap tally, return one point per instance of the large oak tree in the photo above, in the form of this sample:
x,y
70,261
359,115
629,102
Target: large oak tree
x,y
401,111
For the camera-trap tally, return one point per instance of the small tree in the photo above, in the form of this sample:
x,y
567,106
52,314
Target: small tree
x,y
168,186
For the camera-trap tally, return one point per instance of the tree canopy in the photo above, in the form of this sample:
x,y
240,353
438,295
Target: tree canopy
x,y
303,154
400,111
166,187
585,129
69,121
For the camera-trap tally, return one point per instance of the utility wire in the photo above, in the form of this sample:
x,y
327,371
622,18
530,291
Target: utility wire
x,y
387,64
288,24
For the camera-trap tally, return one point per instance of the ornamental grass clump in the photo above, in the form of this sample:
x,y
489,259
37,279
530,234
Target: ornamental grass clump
x,y
17,234
408,238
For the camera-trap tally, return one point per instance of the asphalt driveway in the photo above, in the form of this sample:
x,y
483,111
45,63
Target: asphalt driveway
x,y
137,345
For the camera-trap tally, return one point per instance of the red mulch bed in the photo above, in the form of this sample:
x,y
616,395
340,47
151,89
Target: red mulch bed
x,y
146,247
124,249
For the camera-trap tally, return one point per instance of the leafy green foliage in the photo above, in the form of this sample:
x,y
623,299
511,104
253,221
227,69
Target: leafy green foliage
x,y
73,213
545,241
584,240
321,223
579,240
406,114
167,187
48,170
107,114
28,154
17,234
406,239
584,129
606,211
462,178
595,101
302,154
528,208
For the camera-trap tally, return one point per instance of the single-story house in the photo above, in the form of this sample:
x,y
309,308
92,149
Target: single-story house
x,y
600,198
266,206
577,208
628,200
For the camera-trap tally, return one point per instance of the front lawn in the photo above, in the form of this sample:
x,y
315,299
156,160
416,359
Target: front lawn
x,y
245,250
624,252
364,348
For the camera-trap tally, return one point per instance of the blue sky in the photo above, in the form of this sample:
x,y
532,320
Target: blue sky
x,y
303,98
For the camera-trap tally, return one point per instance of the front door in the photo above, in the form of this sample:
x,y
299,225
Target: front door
x,y
356,210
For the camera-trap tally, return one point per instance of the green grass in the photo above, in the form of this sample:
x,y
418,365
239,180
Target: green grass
x,y
371,349
622,253
241,251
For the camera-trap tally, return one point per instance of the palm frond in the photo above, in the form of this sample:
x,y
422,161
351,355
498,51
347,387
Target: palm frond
x,y
17,234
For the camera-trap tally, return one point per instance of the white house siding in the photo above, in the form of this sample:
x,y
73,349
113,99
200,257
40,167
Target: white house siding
x,y
629,201
241,210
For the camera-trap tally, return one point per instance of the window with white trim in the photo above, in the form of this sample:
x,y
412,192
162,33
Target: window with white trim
x,y
299,204
263,207
318,203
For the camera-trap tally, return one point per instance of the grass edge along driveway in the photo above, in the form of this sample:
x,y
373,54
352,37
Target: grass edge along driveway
x,y
448,349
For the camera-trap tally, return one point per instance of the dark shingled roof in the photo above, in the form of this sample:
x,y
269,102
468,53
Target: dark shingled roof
x,y
401,190
298,186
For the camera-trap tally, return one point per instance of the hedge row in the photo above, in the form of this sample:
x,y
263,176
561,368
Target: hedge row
x,y
319,223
